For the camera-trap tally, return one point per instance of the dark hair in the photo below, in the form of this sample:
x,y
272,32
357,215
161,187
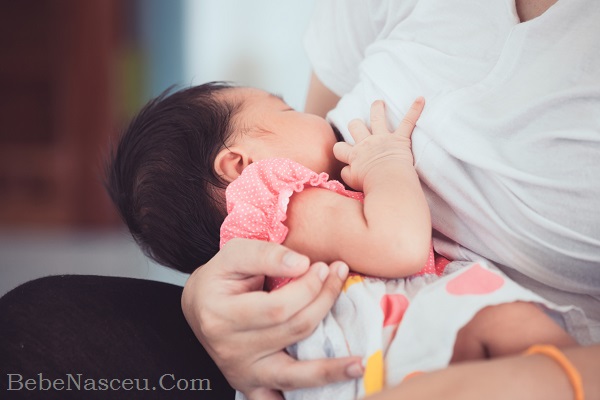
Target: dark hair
x,y
161,175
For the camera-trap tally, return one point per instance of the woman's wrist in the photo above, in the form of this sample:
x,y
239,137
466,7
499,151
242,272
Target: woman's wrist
x,y
517,378
570,371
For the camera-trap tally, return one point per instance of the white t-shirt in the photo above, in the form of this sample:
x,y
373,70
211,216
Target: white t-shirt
x,y
508,146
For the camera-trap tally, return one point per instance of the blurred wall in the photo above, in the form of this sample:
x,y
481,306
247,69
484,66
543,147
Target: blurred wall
x,y
256,43
161,34
57,110
73,72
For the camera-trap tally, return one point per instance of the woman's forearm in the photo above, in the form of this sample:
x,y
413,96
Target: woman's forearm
x,y
517,378
320,99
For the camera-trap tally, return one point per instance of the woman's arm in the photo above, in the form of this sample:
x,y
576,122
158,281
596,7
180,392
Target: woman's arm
x,y
245,329
516,378
320,99
389,234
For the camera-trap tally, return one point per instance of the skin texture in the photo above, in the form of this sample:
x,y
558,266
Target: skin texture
x,y
389,233
267,127
319,99
226,284
392,222
530,9
245,329
507,329
495,331
517,378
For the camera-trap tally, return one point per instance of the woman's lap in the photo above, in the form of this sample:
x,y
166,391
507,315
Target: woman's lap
x,y
97,332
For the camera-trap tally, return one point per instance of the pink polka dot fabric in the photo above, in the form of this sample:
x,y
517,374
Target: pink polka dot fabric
x,y
257,200
257,204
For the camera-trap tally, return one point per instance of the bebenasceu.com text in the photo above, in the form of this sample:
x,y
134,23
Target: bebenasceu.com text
x,y
78,382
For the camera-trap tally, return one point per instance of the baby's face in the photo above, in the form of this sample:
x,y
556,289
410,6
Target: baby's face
x,y
269,128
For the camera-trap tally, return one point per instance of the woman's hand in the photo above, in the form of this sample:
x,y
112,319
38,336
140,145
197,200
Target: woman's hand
x,y
245,329
517,378
377,145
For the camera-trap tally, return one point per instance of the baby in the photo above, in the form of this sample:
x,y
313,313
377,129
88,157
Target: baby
x,y
206,164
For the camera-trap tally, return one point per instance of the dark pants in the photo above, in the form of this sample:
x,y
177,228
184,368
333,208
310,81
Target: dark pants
x,y
93,337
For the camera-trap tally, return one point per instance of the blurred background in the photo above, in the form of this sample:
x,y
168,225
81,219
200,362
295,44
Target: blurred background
x,y
73,72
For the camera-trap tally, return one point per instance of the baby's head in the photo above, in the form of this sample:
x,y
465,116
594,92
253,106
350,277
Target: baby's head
x,y
168,174
266,127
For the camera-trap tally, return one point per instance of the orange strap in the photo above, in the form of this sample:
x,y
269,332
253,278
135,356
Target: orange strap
x,y
570,370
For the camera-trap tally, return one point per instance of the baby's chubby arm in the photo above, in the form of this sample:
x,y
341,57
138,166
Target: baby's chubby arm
x,y
389,234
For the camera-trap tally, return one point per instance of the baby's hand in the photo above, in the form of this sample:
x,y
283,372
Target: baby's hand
x,y
377,145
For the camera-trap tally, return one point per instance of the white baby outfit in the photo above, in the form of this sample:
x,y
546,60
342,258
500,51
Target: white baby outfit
x,y
400,326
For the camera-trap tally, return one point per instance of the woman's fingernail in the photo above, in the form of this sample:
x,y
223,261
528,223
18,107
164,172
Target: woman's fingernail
x,y
293,260
355,370
343,270
323,272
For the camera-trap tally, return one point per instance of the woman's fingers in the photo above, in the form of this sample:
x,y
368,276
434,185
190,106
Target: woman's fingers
x,y
313,293
264,394
230,281
240,326
241,258
301,324
285,373
225,296
260,310
408,123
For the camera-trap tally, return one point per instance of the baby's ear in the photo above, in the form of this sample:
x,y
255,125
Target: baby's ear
x,y
230,162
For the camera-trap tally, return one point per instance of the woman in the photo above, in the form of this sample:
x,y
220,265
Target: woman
x,y
521,134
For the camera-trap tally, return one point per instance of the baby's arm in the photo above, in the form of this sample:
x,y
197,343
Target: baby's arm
x,y
387,235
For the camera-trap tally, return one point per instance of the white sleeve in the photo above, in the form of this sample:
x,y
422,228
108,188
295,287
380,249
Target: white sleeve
x,y
337,36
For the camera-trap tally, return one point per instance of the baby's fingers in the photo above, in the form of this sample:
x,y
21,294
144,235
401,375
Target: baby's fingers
x,y
378,121
408,123
359,130
341,151
346,175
